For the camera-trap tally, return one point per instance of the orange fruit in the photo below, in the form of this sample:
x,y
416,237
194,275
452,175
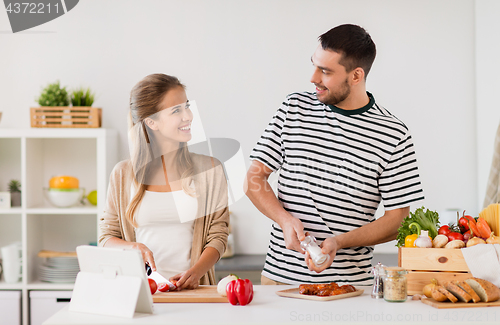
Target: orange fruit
x,y
64,182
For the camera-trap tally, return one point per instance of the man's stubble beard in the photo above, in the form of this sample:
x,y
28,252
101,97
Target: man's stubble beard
x,y
338,97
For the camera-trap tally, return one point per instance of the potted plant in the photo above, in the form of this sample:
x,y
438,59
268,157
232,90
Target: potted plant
x,y
53,95
56,112
82,97
15,193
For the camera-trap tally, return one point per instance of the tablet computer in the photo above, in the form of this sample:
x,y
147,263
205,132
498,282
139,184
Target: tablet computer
x,y
114,277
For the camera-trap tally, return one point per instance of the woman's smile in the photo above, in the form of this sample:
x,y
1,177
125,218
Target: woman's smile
x,y
186,128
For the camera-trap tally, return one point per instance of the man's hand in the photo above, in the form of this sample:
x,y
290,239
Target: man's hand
x,y
259,191
329,247
293,233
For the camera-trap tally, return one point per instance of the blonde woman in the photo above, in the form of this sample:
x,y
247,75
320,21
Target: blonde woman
x,y
164,201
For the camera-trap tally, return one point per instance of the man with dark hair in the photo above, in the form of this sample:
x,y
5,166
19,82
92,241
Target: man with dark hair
x,y
339,154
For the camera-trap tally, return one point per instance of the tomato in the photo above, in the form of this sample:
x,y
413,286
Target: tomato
x,y
152,285
455,236
444,230
463,223
163,287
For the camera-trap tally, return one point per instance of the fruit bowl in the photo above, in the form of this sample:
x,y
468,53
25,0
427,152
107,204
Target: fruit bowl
x,y
63,198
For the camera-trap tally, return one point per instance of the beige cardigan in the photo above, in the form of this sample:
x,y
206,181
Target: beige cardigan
x,y
210,226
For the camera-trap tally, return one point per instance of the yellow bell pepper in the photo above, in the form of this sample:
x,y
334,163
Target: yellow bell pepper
x,y
410,240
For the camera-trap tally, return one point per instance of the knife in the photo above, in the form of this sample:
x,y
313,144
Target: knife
x,y
161,279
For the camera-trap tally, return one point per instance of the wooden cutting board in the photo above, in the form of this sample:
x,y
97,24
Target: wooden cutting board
x,y
294,293
200,294
449,304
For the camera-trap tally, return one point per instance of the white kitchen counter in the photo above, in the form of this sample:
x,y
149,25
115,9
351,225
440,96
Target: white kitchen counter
x,y
269,308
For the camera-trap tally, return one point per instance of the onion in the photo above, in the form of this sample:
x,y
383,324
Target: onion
x,y
493,239
467,236
475,241
221,286
429,287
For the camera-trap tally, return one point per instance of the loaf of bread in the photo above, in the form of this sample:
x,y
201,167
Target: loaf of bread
x,y
442,290
486,290
458,292
438,296
467,288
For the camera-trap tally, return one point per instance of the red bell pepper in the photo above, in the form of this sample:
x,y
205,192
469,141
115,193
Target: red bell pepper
x,y
239,292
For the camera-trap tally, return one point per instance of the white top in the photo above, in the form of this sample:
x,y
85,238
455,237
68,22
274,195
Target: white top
x,y
165,225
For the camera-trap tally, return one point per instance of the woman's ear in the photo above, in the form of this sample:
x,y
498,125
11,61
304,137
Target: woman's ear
x,y
151,124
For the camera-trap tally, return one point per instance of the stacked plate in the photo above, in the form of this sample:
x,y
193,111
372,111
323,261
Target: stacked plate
x,y
59,270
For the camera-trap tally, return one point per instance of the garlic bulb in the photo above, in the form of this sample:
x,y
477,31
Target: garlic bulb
x,y
423,241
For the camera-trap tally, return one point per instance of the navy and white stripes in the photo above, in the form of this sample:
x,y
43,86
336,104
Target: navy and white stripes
x,y
335,167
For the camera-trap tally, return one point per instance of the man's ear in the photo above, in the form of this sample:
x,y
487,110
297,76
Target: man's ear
x,y
358,75
151,124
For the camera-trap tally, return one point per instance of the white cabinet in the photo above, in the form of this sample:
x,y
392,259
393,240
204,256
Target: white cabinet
x,y
10,307
33,156
44,304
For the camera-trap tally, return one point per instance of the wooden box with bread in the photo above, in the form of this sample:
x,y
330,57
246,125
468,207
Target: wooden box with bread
x,y
439,256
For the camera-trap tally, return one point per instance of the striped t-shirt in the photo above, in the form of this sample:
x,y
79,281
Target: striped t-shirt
x,y
335,167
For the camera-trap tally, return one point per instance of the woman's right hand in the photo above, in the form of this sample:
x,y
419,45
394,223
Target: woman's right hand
x,y
147,255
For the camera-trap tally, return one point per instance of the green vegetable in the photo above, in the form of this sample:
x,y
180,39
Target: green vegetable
x,y
427,220
417,227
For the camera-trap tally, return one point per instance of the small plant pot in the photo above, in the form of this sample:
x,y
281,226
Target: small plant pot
x,y
15,199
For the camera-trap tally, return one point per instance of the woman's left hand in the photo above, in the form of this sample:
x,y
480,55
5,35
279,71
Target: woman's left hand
x,y
186,280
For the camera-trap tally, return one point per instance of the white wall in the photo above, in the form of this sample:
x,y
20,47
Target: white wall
x,y
240,59
487,85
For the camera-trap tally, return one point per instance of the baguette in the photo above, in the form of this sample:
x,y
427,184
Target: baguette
x,y
486,290
458,292
469,290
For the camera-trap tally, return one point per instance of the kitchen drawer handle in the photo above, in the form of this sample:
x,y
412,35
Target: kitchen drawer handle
x,y
63,299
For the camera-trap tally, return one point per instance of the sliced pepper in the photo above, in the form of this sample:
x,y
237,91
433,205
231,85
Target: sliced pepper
x,y
240,292
410,240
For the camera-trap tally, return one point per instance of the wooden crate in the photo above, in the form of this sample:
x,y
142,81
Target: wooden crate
x,y
65,117
425,264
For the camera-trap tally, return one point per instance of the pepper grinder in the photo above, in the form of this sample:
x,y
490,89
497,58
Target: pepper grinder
x,y
378,283
309,245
